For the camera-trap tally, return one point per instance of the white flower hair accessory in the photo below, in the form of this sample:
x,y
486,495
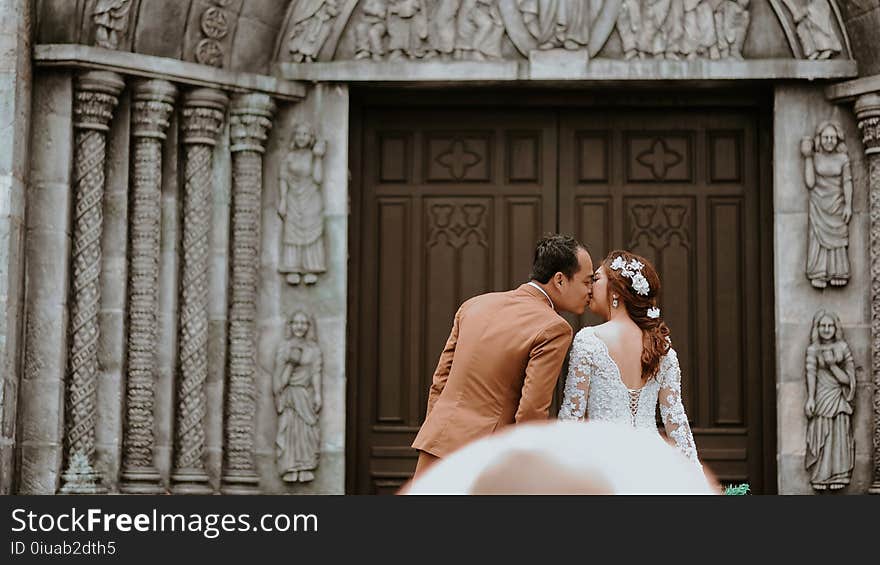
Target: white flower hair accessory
x,y
633,271
653,312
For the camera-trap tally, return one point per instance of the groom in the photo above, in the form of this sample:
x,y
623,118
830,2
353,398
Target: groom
x,y
505,352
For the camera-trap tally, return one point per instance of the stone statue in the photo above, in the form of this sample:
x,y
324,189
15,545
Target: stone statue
x,y
480,29
111,20
407,23
699,38
651,38
814,28
296,384
731,25
370,30
831,388
442,28
312,21
557,23
828,178
673,29
301,206
629,21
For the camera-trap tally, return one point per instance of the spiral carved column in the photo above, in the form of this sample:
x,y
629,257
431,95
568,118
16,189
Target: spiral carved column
x,y
203,112
868,114
153,101
96,97
250,121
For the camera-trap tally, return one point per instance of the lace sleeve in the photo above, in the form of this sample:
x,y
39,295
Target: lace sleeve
x,y
671,409
577,383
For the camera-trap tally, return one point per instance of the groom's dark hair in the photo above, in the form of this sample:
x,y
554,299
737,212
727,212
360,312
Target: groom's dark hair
x,y
555,253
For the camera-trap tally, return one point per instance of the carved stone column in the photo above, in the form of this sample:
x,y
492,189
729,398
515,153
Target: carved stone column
x,y
868,113
94,102
153,101
250,121
203,111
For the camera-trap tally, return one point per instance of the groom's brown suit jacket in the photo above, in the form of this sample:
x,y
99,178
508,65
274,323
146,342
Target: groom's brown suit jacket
x,y
499,367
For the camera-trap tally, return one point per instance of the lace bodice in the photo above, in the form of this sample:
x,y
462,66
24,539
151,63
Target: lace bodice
x,y
594,389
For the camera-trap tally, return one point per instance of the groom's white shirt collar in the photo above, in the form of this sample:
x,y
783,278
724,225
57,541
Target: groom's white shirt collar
x,y
544,292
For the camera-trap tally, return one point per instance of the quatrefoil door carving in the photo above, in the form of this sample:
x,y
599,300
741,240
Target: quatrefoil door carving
x,y
457,159
659,159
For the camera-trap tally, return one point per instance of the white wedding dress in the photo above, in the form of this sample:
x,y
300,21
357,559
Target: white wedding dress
x,y
595,391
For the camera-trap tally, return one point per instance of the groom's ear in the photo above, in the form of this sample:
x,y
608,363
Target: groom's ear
x,y
559,278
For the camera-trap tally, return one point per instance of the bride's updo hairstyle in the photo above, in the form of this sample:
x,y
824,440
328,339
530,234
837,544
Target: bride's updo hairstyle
x,y
655,332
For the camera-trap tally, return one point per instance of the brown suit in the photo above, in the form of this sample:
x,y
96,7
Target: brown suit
x,y
499,367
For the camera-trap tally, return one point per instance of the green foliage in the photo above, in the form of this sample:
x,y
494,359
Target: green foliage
x,y
736,490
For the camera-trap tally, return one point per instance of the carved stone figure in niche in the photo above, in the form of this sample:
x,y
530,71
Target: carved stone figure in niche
x,y
312,21
111,21
831,388
296,384
731,24
557,23
407,24
370,30
480,30
828,178
301,206
814,28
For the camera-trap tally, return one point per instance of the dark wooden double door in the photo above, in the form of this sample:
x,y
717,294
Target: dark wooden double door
x,y
453,202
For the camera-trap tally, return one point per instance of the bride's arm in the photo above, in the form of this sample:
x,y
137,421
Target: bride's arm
x,y
577,384
672,410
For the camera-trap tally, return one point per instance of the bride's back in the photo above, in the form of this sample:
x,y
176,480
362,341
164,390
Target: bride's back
x,y
623,338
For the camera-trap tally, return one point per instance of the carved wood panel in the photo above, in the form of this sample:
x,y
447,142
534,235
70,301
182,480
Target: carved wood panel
x,y
453,204
682,190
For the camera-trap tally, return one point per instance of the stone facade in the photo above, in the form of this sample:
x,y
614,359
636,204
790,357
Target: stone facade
x,y
141,189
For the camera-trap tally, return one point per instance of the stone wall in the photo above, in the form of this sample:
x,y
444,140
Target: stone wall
x,y
326,109
192,408
798,111
15,113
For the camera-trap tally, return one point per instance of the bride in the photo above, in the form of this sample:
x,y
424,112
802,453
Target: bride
x,y
619,370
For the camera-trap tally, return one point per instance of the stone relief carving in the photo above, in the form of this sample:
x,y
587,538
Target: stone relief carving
x,y
831,388
311,20
203,113
459,29
111,22
732,24
479,30
95,100
828,178
867,108
476,29
675,29
407,24
370,30
152,112
296,384
301,207
250,122
214,25
814,28
557,23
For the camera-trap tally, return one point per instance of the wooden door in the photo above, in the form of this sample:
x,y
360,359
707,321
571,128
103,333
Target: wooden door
x,y
450,202
681,188
453,203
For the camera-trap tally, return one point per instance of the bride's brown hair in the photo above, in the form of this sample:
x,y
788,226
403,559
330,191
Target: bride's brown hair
x,y
655,332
